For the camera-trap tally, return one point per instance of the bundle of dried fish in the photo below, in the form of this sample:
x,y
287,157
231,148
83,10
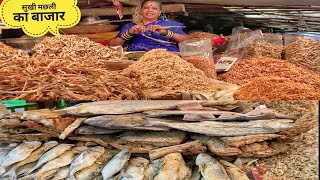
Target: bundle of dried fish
x,y
244,71
262,49
159,70
204,64
75,79
202,35
73,46
7,53
275,88
304,52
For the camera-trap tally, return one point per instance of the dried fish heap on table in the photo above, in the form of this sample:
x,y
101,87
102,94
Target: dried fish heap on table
x,y
74,79
162,71
273,72
167,139
275,88
204,64
73,46
202,35
7,53
262,49
304,52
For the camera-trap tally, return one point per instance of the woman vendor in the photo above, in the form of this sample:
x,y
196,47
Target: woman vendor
x,y
151,33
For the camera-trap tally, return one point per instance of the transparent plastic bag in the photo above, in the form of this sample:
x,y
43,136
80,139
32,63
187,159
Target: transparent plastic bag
x,y
199,53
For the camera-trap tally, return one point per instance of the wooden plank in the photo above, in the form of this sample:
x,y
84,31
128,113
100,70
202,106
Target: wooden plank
x,y
251,2
128,2
111,11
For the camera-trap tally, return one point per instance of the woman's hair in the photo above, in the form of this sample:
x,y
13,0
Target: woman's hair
x,y
160,3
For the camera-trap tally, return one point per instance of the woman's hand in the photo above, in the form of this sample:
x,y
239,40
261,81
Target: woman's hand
x,y
156,29
137,29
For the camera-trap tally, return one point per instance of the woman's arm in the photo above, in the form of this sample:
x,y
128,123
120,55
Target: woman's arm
x,y
116,42
180,37
127,35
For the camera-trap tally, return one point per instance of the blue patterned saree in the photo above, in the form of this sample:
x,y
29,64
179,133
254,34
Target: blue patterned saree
x,y
148,40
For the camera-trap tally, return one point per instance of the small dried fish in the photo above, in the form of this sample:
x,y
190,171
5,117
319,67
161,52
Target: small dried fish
x,y
63,160
62,173
153,169
85,159
234,172
173,168
51,154
210,168
34,156
115,164
94,171
18,154
135,169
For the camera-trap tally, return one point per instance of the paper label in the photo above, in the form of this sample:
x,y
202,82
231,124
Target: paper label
x,y
37,17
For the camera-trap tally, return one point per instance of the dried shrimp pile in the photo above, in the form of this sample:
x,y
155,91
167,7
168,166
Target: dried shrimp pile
x,y
73,46
7,52
262,49
244,71
300,162
202,35
204,64
275,88
71,79
159,70
304,52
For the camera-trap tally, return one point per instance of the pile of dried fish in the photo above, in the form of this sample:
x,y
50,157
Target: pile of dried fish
x,y
7,53
262,49
304,52
162,71
275,88
74,79
246,70
204,64
206,137
202,35
73,46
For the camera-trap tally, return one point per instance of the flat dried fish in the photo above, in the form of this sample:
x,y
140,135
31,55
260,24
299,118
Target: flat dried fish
x,y
189,148
258,150
51,154
18,154
16,130
162,113
243,140
228,128
6,149
85,159
133,147
135,169
130,121
153,169
95,130
102,140
159,139
126,107
10,123
71,128
94,171
5,137
24,169
40,127
34,156
234,172
210,168
115,164
173,168
195,174
62,173
216,145
63,160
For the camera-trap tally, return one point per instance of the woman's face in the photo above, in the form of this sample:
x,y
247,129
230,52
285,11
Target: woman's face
x,y
150,10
